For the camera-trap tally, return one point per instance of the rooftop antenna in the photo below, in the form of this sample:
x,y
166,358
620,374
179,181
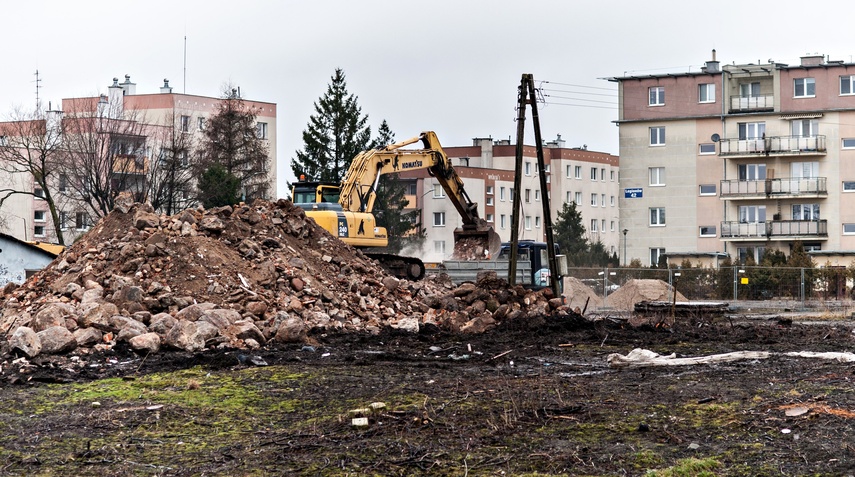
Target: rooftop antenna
x,y
185,64
38,80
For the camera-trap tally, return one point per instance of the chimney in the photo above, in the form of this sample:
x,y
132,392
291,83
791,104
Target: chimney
x,y
812,60
127,87
166,89
115,101
711,66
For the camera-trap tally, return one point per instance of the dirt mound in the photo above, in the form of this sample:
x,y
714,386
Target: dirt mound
x,y
637,290
234,277
579,295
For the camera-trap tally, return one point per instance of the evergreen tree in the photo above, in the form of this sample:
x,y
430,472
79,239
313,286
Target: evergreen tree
x,y
390,203
569,234
233,139
217,187
336,133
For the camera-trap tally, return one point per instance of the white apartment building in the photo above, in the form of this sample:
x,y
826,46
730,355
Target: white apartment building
x,y
589,178
733,160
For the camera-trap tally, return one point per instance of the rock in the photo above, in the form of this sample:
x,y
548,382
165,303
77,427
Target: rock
x,y
184,335
195,311
291,330
144,220
478,324
87,337
98,316
57,340
257,308
408,323
161,323
206,331
391,283
212,224
26,342
242,330
147,342
220,318
49,316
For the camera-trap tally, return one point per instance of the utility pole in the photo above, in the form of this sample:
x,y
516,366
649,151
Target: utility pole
x,y
515,192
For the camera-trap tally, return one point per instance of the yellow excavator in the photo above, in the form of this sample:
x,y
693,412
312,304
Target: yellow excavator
x,y
345,210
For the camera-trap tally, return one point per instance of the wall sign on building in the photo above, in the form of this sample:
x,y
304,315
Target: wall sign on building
x,y
634,193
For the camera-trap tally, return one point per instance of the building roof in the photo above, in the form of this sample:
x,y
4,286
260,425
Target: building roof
x,y
51,250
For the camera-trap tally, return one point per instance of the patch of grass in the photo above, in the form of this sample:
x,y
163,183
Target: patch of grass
x,y
691,467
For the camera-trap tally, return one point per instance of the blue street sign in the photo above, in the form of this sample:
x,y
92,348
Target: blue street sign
x,y
635,193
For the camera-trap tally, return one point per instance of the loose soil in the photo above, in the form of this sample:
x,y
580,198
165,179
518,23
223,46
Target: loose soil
x,y
527,398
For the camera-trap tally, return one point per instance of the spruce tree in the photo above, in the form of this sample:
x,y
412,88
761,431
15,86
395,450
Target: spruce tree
x,y
335,134
569,234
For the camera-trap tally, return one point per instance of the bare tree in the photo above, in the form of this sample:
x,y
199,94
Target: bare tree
x,y
170,176
104,153
31,148
232,139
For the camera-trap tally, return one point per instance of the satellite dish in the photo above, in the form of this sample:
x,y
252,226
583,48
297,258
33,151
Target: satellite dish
x,y
715,138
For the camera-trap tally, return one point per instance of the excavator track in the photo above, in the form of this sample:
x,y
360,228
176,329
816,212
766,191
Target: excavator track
x,y
409,268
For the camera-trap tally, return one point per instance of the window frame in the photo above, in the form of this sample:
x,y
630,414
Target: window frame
x,y
39,216
701,231
656,96
577,172
706,88
850,81
701,151
851,188
808,83
656,217
707,194
659,139
845,232
439,219
660,176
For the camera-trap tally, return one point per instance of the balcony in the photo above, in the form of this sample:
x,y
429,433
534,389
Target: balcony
x,y
787,187
774,146
763,102
774,229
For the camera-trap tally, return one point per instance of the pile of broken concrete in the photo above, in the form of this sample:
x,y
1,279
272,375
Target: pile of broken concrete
x,y
234,277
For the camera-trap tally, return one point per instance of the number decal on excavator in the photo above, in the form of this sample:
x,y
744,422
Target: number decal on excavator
x,y
342,227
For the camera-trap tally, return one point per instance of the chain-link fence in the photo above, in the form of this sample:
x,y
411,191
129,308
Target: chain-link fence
x,y
730,283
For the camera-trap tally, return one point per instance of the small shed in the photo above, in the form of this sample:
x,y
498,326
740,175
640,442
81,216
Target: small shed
x,y
19,259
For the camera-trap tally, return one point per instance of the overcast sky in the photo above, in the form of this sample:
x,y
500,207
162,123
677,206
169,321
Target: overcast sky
x,y
448,66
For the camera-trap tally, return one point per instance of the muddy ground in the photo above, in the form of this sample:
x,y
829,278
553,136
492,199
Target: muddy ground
x,y
520,400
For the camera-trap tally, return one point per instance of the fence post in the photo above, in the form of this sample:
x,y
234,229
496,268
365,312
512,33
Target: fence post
x,y
802,289
735,281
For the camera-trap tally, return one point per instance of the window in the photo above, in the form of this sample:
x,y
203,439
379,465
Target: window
x,y
749,90
463,162
528,222
578,172
39,215
489,190
657,136
39,192
182,158
438,191
537,222
603,175
569,171
503,220
706,93
612,226
489,201
612,200
603,225
439,246
612,176
261,130
804,170
201,123
805,211
527,168
81,221
657,176
593,173
185,123
39,230
536,195
528,196
578,199
847,85
602,200
412,188
752,172
439,219
657,216
804,127
63,182
848,229
657,96
707,189
3,141
570,196
751,130
752,214
594,225
489,218
706,148
848,186
804,87
63,220
754,252
655,255
593,200
502,194
849,143
707,231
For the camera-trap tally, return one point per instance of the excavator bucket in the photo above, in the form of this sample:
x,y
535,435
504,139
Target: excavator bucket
x,y
476,243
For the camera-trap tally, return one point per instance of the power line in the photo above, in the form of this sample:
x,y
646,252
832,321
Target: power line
x,y
578,85
579,99
581,92
582,105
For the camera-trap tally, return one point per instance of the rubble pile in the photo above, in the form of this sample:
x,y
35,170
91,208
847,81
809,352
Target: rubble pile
x,y
638,290
233,277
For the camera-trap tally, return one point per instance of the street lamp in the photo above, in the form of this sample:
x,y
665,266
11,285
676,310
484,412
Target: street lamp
x,y
624,246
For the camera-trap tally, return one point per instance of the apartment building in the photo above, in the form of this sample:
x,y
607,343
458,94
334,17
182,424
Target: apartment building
x,y
487,168
135,128
733,160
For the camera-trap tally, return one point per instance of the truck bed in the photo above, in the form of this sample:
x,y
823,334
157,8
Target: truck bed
x,y
460,271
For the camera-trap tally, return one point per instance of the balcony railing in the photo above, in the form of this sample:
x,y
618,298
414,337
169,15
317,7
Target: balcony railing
x,y
752,103
773,145
787,186
775,228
